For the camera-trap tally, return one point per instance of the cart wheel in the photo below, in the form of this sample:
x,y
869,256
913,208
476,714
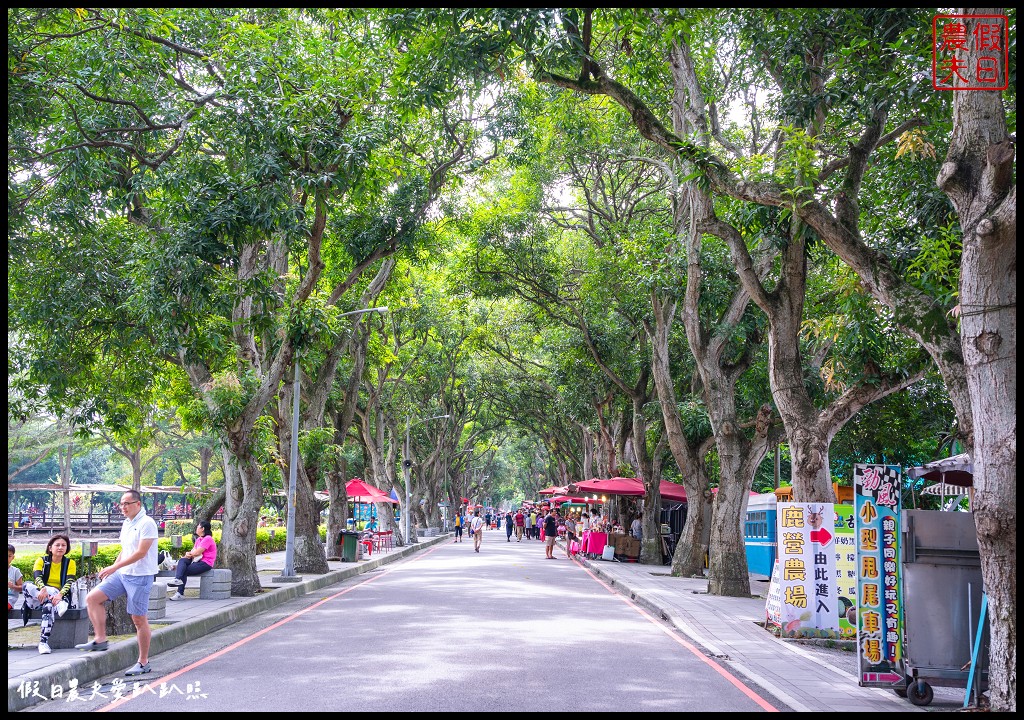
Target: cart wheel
x,y
920,693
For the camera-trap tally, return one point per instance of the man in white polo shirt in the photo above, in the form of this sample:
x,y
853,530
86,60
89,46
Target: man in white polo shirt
x,y
132,575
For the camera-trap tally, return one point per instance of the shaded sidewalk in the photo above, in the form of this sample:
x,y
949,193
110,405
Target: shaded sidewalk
x,y
33,678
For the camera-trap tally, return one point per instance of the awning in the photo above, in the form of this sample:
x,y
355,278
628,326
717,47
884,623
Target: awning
x,y
633,487
553,490
956,470
944,489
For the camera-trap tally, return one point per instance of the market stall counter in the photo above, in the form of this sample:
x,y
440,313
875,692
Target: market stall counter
x,y
593,542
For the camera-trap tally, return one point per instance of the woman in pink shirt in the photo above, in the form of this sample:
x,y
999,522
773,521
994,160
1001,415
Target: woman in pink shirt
x,y
196,561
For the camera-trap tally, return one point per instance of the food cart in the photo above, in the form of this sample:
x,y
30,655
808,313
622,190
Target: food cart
x,y
942,598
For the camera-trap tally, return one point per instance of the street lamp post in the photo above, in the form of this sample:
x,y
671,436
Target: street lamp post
x,y
288,574
406,467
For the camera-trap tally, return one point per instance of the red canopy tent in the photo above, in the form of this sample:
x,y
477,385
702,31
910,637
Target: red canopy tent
x,y
561,499
553,490
633,487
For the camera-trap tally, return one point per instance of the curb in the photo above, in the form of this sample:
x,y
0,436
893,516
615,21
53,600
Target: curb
x,y
35,687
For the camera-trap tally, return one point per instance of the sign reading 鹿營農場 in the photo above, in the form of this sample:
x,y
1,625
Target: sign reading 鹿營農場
x,y
807,570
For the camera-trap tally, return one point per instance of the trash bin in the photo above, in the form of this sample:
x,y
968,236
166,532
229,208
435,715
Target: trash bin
x,y
349,541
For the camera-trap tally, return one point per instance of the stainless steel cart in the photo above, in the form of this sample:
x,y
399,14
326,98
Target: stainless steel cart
x,y
942,599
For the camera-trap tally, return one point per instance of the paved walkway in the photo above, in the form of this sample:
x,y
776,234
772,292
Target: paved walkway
x,y
729,629
32,678
726,627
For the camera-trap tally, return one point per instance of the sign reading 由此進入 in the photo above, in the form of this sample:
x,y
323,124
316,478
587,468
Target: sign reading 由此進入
x,y
807,570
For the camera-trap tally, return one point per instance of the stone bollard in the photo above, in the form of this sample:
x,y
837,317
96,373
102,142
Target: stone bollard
x,y
157,601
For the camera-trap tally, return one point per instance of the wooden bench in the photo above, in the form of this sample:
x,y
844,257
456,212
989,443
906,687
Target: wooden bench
x,y
69,630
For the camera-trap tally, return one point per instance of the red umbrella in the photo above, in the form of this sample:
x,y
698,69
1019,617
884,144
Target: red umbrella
x,y
360,491
553,490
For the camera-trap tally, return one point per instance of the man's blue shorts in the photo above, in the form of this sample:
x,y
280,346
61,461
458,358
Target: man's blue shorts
x,y
136,587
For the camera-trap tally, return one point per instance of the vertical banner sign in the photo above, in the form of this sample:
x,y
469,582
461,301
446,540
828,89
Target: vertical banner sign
x,y
807,569
846,571
773,604
879,616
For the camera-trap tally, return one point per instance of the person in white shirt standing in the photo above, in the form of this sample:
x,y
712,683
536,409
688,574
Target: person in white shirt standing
x,y
477,528
132,575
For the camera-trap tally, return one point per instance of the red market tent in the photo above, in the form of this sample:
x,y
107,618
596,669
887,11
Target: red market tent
x,y
628,486
562,499
612,486
553,490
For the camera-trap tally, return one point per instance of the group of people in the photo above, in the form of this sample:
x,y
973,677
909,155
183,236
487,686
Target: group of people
x,y
52,589
548,524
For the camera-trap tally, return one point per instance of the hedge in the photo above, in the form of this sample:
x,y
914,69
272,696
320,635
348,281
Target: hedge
x,y
107,554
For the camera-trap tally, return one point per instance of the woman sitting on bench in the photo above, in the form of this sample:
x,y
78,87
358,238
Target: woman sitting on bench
x,y
54,576
196,561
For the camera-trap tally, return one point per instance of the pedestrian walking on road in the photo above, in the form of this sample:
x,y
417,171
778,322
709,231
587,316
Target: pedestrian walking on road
x,y
550,534
508,527
132,575
476,529
520,522
460,520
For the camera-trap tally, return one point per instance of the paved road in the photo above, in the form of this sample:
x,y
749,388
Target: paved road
x,y
446,630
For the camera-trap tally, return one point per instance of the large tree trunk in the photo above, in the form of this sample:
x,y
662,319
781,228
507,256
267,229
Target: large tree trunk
x,y
119,622
812,480
738,456
243,484
691,548
978,177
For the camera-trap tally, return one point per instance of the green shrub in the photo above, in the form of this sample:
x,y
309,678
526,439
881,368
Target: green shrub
x,y
267,544
187,527
107,554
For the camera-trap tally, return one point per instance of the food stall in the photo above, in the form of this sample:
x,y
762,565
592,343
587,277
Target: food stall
x,y
942,589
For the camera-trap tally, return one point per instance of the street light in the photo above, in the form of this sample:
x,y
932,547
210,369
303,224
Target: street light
x,y
288,574
406,465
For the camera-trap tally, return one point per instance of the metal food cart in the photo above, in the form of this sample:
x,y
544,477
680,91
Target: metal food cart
x,y
942,600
